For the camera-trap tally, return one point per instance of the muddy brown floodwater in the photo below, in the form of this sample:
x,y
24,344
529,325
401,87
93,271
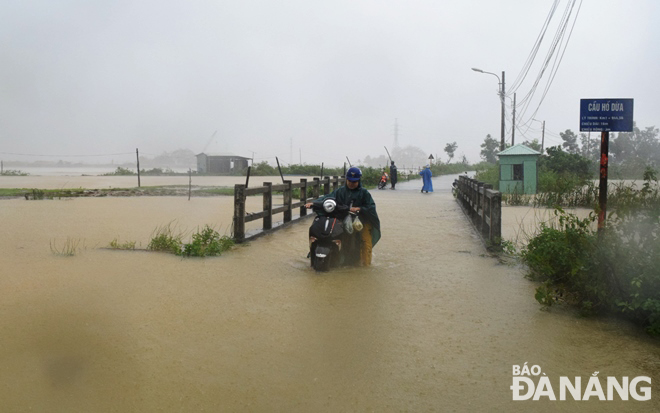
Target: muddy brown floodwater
x,y
434,325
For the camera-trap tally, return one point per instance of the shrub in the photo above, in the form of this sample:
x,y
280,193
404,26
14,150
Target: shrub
x,y
207,242
120,172
616,271
165,239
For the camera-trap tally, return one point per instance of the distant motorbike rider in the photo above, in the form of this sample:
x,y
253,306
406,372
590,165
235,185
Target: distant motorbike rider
x,y
393,174
362,204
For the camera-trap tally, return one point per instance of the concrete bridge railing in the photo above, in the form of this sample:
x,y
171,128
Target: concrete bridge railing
x,y
241,216
483,206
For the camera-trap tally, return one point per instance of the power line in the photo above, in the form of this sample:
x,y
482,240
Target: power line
x,y
559,43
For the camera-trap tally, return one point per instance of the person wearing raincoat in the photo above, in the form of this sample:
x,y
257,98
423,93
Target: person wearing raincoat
x,y
393,175
426,176
361,202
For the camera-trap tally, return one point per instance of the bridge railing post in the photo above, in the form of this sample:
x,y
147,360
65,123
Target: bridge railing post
x,y
326,185
239,213
478,204
485,208
268,206
496,219
287,201
303,196
316,189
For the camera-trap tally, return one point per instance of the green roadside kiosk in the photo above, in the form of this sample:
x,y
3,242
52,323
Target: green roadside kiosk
x,y
518,170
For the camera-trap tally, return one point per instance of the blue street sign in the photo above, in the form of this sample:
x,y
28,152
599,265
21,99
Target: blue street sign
x,y
606,115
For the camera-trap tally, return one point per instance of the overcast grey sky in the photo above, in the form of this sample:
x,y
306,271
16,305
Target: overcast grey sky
x,y
324,80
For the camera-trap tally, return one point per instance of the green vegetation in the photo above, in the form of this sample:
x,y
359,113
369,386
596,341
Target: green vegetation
x,y
14,172
120,172
68,248
488,173
206,242
127,245
165,238
616,272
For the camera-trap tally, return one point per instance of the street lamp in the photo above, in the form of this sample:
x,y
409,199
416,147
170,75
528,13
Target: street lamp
x,y
501,83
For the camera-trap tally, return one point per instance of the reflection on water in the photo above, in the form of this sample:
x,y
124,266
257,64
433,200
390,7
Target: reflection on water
x,y
435,324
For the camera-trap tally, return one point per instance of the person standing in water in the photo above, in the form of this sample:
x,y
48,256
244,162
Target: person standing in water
x,y
426,176
393,174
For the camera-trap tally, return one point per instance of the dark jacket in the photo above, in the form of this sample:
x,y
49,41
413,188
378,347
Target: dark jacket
x,y
393,174
359,197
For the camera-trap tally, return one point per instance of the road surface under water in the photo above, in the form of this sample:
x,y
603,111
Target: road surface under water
x,y
435,324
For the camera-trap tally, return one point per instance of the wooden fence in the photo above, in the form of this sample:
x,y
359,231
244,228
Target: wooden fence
x,y
317,186
483,206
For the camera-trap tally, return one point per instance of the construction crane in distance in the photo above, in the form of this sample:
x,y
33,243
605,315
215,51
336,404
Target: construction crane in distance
x,y
209,142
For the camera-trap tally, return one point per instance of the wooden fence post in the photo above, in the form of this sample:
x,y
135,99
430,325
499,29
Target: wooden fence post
x,y
239,213
268,206
326,185
287,201
303,196
335,183
316,189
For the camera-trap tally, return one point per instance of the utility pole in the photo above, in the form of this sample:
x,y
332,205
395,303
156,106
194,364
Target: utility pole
x,y
502,145
542,137
137,155
513,127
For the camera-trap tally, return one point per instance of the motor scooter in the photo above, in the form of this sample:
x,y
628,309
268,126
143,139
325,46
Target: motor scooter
x,y
329,234
382,184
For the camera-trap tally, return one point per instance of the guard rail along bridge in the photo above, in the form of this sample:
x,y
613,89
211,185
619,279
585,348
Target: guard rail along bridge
x,y
481,204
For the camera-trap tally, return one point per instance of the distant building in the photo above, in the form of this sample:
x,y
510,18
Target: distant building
x,y
220,164
518,171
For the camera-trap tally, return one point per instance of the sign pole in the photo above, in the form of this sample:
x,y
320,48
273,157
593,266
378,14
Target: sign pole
x,y
602,189
605,116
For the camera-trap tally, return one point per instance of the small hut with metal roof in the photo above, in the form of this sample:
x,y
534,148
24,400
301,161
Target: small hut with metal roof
x,y
518,170
220,164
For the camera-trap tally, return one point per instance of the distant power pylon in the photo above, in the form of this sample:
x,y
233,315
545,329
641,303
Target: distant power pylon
x,y
396,132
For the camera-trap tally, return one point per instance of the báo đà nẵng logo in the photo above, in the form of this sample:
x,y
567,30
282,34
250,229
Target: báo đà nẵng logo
x,y
526,387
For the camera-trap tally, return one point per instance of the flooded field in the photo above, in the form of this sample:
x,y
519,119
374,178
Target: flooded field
x,y
434,325
101,182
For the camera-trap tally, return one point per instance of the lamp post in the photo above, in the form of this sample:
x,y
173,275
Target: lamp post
x,y
501,83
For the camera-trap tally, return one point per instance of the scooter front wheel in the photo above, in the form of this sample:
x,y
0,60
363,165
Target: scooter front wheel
x,y
320,264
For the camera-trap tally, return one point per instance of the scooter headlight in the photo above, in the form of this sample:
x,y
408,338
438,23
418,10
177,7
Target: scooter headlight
x,y
329,205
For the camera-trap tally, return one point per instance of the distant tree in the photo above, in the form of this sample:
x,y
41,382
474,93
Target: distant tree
x,y
589,147
263,169
534,144
409,156
563,163
489,149
570,141
450,148
377,162
641,146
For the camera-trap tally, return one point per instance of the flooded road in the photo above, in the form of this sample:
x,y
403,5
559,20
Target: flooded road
x,y
434,325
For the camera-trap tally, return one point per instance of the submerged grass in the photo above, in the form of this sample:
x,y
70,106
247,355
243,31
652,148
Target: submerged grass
x,y
127,245
204,242
69,248
166,238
